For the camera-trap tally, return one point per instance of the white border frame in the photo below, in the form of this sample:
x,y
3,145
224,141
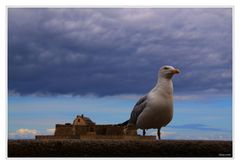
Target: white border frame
x,y
122,4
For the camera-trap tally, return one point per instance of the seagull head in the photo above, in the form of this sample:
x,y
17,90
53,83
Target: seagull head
x,y
168,71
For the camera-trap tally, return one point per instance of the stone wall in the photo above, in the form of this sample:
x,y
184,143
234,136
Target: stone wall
x,y
42,137
79,130
119,148
69,131
109,130
63,130
49,137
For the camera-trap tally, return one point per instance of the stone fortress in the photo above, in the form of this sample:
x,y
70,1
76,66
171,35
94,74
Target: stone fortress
x,y
84,128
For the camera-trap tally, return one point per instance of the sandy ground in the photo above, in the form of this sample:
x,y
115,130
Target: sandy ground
x,y
118,148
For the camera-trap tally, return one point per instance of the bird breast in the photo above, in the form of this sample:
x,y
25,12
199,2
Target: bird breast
x,y
158,113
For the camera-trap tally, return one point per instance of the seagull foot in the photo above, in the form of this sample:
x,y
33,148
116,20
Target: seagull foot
x,y
159,134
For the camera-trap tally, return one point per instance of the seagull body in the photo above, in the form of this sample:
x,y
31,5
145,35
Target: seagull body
x,y
155,110
159,109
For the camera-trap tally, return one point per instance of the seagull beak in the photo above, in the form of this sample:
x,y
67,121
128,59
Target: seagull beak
x,y
176,71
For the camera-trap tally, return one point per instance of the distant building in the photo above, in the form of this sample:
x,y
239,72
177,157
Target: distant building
x,y
84,128
82,120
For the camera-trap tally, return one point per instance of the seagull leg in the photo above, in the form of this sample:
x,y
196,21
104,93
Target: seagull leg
x,y
144,132
159,134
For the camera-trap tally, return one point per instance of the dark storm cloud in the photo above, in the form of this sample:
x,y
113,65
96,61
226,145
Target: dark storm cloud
x,y
117,51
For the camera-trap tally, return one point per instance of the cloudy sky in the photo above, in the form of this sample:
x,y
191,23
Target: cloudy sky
x,y
64,62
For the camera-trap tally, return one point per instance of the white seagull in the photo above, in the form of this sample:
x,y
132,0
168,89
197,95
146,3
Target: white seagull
x,y
155,109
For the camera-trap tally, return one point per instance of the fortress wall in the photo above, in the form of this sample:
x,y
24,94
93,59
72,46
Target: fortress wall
x,y
101,129
81,130
92,137
89,131
78,131
117,137
114,130
50,137
47,137
63,130
109,130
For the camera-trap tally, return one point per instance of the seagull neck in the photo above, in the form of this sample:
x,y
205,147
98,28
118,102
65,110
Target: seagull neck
x,y
165,84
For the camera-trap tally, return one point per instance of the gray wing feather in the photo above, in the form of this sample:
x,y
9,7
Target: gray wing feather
x,y
137,109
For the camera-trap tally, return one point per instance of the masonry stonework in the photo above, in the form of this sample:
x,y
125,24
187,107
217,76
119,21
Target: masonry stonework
x,y
84,128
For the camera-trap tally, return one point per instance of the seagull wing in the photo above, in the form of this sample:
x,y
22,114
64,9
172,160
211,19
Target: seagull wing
x,y
137,109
